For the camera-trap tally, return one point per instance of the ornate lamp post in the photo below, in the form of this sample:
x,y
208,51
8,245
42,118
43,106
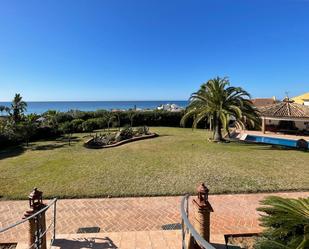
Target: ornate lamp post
x,y
37,224
35,199
202,210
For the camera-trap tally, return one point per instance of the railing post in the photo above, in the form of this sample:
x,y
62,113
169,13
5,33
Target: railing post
x,y
37,224
55,212
202,210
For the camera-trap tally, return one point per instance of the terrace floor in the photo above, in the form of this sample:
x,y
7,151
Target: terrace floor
x,y
232,214
273,134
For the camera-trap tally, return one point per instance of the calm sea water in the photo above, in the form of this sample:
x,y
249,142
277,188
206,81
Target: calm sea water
x,y
40,107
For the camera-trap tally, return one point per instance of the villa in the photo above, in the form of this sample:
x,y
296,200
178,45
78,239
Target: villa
x,y
285,117
302,99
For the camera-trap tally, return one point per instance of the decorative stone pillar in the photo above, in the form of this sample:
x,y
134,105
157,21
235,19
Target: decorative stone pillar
x,y
202,210
37,224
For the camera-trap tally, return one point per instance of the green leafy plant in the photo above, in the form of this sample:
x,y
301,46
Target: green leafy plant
x,y
144,130
126,133
286,223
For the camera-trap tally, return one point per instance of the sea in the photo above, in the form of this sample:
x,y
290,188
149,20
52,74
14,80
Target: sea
x,y
63,106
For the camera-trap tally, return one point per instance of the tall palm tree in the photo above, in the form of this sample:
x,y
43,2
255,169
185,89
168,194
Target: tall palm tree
x,y
286,223
18,108
217,102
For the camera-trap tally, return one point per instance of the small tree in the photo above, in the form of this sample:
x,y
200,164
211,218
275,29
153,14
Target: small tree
x,y
28,127
117,116
131,116
18,108
112,117
67,129
51,120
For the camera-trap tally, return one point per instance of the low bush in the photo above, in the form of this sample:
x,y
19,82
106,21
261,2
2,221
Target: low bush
x,y
77,125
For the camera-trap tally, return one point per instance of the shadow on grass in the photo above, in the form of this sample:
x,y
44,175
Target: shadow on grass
x,y
11,152
48,147
66,139
57,144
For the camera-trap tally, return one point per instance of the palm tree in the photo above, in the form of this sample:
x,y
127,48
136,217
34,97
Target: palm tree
x,y
51,119
217,102
286,223
18,108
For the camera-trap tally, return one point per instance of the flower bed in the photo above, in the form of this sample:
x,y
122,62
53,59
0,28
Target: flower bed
x,y
126,135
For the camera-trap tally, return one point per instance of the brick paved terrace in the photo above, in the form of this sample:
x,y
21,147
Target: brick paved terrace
x,y
232,214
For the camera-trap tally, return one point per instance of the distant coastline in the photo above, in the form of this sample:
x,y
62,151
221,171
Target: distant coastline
x,y
40,107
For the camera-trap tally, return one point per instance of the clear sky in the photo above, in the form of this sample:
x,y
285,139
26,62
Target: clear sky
x,y
151,49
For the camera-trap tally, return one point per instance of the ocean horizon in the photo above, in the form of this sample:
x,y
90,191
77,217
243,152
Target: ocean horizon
x,y
40,107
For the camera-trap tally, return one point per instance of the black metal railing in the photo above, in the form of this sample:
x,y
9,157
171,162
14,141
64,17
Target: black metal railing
x,y
41,230
188,231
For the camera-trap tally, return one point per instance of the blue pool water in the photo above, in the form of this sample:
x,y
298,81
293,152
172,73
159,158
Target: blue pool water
x,y
272,140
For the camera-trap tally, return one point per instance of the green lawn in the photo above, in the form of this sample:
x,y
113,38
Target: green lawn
x,y
172,164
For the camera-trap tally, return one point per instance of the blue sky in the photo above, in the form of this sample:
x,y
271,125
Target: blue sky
x,y
151,49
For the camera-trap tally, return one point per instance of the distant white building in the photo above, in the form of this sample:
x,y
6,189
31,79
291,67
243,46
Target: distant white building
x,y
170,107
41,120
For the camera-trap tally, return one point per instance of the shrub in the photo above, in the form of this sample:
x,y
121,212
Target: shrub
x,y
89,125
144,130
62,117
100,114
77,125
126,133
76,114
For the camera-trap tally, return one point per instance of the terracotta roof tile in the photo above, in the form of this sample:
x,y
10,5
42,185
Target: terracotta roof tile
x,y
286,108
259,102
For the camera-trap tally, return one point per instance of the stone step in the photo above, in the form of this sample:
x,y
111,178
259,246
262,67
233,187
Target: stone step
x,y
121,240
124,240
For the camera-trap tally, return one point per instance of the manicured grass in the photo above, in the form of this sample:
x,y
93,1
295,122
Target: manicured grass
x,y
172,164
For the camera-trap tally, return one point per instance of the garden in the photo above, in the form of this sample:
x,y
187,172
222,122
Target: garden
x,y
171,164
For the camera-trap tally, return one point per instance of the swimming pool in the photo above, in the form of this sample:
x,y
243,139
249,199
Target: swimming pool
x,y
272,140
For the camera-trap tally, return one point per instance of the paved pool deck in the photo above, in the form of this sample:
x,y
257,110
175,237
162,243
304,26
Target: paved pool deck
x,y
272,134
